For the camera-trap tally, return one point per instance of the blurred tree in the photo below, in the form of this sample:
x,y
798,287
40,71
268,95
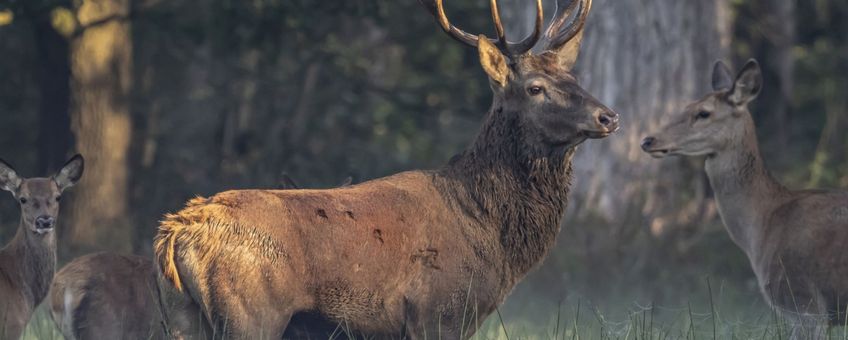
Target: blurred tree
x,y
821,88
765,30
101,64
53,77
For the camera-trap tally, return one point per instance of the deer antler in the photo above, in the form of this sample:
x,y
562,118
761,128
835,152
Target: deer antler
x,y
558,33
510,49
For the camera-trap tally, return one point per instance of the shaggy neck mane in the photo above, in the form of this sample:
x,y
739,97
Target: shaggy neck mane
x,y
508,185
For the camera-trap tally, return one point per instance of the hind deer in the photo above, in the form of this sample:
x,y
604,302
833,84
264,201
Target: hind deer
x,y
28,261
417,254
795,240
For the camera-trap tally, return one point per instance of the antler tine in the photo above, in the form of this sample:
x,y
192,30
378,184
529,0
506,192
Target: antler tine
x,y
437,9
496,17
527,43
555,34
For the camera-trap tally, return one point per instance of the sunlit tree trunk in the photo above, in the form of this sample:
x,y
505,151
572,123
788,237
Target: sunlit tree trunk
x,y
101,57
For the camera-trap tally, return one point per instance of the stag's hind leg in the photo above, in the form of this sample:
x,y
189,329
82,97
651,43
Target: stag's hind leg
x,y
182,317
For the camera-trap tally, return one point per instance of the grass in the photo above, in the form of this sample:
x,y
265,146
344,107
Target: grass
x,y
41,326
719,312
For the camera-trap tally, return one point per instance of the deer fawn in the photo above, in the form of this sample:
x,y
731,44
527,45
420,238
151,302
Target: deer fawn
x,y
795,240
27,263
416,254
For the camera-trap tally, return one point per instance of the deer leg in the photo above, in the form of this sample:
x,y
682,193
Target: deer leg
x,y
182,317
808,326
242,313
807,315
252,325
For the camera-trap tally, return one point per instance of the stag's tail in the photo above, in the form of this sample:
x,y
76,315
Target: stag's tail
x,y
163,248
170,230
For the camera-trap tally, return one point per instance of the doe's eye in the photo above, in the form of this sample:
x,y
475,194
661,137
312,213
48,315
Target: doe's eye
x,y
23,200
58,198
703,115
535,90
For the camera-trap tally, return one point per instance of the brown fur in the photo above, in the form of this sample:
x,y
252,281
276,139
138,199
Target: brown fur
x,y
106,296
27,263
416,254
795,240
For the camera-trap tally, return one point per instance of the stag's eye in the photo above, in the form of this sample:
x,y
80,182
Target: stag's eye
x,y
23,200
535,90
58,198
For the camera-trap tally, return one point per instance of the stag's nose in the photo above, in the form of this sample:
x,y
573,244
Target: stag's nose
x,y
609,120
44,222
647,142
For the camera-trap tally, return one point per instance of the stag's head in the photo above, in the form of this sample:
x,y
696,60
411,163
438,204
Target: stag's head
x,y
718,121
39,197
540,87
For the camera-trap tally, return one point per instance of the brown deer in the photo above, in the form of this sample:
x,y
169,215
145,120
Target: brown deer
x,y
112,296
795,240
106,296
416,254
27,263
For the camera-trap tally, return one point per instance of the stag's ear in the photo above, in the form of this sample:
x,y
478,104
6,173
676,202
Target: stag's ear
x,y
70,173
747,85
567,54
9,179
722,80
493,61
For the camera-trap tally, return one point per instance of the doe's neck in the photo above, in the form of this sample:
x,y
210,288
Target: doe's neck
x,y
744,189
31,261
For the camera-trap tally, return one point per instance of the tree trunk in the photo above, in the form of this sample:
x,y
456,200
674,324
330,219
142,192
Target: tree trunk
x,y
765,30
101,59
53,73
644,59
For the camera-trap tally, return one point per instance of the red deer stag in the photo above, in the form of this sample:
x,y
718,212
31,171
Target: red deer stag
x,y
416,254
27,263
111,296
795,240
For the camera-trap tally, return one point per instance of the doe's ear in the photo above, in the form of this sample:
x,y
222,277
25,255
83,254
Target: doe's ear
x,y
493,61
9,179
70,173
748,84
722,79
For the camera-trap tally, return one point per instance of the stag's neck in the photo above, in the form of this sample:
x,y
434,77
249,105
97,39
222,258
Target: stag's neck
x,y
744,189
519,194
31,260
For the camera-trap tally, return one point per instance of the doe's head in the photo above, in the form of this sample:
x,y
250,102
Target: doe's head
x,y
39,197
541,88
713,123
